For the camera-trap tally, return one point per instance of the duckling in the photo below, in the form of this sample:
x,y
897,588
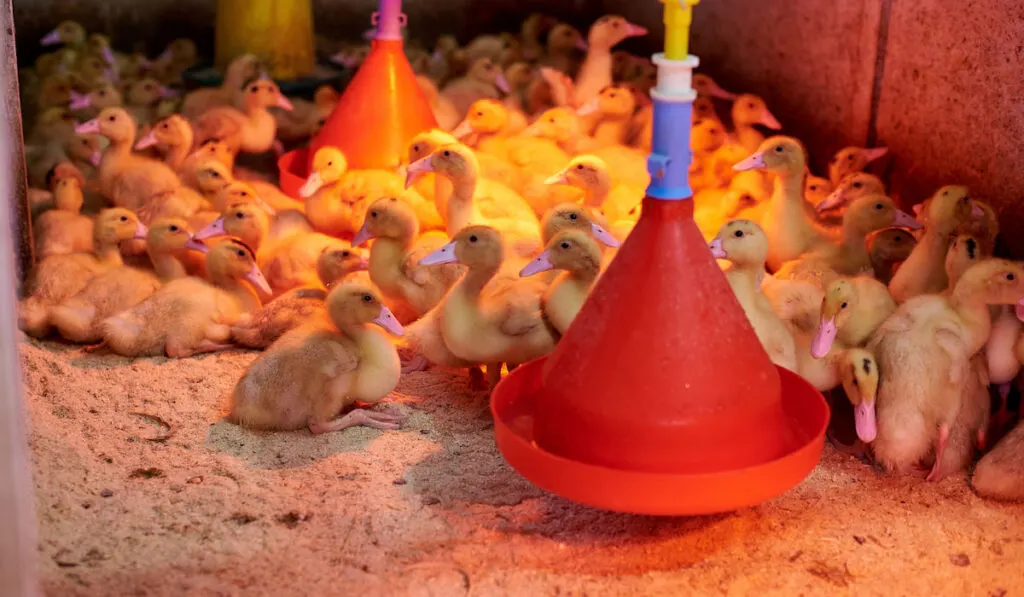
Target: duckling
x,y
82,151
1000,473
849,189
579,257
705,86
613,107
77,319
487,318
445,112
983,226
190,315
924,270
484,80
747,111
63,229
563,42
860,380
306,117
916,408
298,306
69,33
850,160
787,225
217,183
59,277
816,189
853,308
324,207
88,105
173,136
706,136
595,73
251,131
144,96
530,32
591,175
241,69
310,374
395,255
888,248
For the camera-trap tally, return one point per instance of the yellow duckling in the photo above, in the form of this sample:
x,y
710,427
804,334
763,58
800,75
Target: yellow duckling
x,y
590,174
563,42
579,257
706,87
299,306
888,248
925,351
59,277
613,107
324,207
69,33
312,373
212,177
306,117
63,229
706,137
189,315
850,160
241,69
251,131
395,255
853,308
88,105
77,319
924,270
490,319
816,189
174,137
747,111
860,378
562,126
143,100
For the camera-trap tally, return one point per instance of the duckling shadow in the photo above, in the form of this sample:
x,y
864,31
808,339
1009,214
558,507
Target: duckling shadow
x,y
284,450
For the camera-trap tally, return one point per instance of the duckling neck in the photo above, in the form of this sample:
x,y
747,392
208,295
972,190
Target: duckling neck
x,y
611,130
386,261
118,150
472,284
976,317
176,155
109,254
379,367
744,279
598,192
167,266
245,295
461,209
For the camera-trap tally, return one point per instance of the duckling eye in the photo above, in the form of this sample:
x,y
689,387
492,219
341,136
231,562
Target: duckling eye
x,y
855,382
446,153
124,218
147,87
842,306
239,215
244,193
738,234
473,239
479,113
373,214
897,238
1010,277
173,228
579,166
253,89
813,187
564,245
240,253
345,253
164,126
215,174
330,163
574,217
751,105
102,93
112,118
849,158
857,185
551,120
367,298
878,206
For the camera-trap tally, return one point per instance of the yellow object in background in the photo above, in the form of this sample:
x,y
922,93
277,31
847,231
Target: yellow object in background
x,y
678,15
279,32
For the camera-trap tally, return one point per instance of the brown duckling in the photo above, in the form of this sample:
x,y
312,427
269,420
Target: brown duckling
x,y
578,255
310,374
888,248
850,160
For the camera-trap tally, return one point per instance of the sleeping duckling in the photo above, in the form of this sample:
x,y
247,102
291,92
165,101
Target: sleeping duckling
x,y
63,229
850,160
924,270
251,131
887,249
310,374
297,307
189,315
747,111
853,308
579,257
1000,473
77,319
59,277
489,318
916,408
395,254
744,244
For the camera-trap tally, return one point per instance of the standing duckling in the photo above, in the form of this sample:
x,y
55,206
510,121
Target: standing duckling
x,y
744,244
596,71
190,315
747,111
850,160
310,374
576,253
251,131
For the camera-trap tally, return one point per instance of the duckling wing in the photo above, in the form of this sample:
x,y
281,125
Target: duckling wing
x,y
220,124
518,307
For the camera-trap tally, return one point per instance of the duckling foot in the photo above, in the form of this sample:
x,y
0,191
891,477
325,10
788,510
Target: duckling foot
x,y
94,347
940,447
383,420
417,363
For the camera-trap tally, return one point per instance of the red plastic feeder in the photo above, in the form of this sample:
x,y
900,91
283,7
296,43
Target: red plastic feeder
x,y
382,108
659,399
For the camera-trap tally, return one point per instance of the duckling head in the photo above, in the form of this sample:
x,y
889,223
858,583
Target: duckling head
x,y
55,90
572,250
68,32
477,247
233,259
356,303
86,148
387,217
836,309
168,235
485,116
243,220
586,172
891,245
173,131
781,155
951,207
860,381
117,224
92,68
212,176
563,38
329,165
244,68
427,142
67,194
238,192
749,110
454,162
217,150
707,136
964,252
104,96
557,124
264,93
484,70
817,189
115,124
63,170
98,43
742,242
614,101
573,216
334,263
738,199
706,87
993,282
703,109
852,187
520,74
849,160
181,51
610,30
147,92
876,212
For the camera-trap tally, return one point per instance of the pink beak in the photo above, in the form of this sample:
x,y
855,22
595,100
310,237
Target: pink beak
x,y
80,101
835,199
904,220
284,104
108,56
167,92
541,263
977,211
753,162
445,254
917,209
387,320
874,154
214,228
90,127
257,279
502,83
588,108
581,44
463,130
604,236
864,420
197,244
822,342
140,231
768,120
635,30
361,237
715,91
716,249
149,140
1019,309
52,38
95,158
417,169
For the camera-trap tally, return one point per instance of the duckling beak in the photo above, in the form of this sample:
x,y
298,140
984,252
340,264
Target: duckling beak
x,y
716,249
140,231
79,101
271,211
165,56
463,130
540,263
502,83
635,30
559,178
311,186
361,237
445,254
588,108
604,236
342,59
582,45
90,127
834,199
532,131
148,140
822,342
864,419
364,263
754,162
387,320
370,34
144,63
52,38
768,120
417,169
284,103
167,92
108,56
1018,309
214,228
917,209
977,211
95,158
904,220
256,278
873,154
715,91
196,244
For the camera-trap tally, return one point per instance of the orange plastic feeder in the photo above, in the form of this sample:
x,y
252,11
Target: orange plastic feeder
x,y
382,108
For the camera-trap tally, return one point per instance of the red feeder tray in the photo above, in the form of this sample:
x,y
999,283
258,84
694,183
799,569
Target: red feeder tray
x,y
659,398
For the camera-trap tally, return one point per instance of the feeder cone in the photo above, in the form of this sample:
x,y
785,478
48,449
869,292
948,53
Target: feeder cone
x,y
659,398
382,108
